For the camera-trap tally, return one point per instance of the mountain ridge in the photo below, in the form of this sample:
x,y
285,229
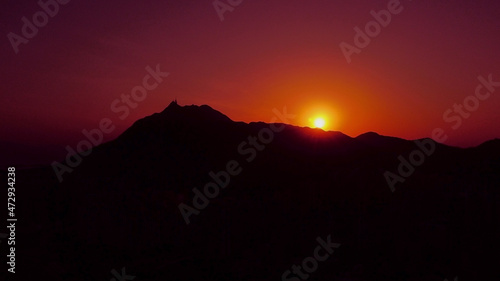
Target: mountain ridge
x,y
121,205
205,114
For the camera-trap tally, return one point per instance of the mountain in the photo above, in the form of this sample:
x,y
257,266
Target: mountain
x,y
122,207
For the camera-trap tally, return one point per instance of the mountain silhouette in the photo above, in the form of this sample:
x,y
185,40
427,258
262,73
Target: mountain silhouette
x,y
121,205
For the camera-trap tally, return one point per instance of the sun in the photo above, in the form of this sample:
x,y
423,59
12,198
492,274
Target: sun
x,y
321,116
319,122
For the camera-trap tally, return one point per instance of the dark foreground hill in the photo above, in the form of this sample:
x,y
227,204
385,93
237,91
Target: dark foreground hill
x,y
120,207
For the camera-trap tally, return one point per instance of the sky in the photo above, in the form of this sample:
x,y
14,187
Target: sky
x,y
244,58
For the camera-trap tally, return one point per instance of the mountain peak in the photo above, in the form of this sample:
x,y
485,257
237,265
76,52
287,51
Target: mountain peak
x,y
176,114
173,104
201,113
368,135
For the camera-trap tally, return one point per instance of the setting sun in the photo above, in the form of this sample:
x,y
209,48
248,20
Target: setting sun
x,y
319,123
319,114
